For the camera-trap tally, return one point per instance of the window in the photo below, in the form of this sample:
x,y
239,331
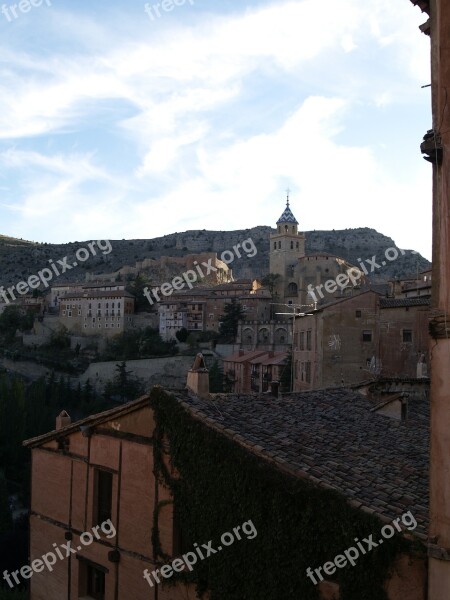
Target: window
x,y
407,335
94,582
102,496
274,245
69,313
292,245
358,314
279,244
366,336
302,340
308,372
308,339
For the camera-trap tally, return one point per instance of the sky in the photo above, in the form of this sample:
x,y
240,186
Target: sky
x,y
121,119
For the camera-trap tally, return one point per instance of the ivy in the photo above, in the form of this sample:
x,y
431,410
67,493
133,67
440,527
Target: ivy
x,y
220,485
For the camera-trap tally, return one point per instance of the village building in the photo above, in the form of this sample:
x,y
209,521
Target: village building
x,y
356,339
201,308
250,372
104,469
99,311
297,272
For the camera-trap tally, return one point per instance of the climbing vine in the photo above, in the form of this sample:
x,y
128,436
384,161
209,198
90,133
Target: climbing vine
x,y
220,485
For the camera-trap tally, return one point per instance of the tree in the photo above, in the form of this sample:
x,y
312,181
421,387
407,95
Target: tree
x,y
270,281
136,287
182,335
60,338
124,384
6,522
233,313
216,378
286,375
12,319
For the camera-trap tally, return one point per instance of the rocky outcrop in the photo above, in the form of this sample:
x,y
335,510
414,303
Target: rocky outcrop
x,y
19,261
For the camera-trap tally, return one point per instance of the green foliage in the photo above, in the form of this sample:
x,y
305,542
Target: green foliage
x,y
182,335
216,378
286,374
131,345
14,318
270,281
8,594
221,486
5,513
233,313
60,338
136,287
124,385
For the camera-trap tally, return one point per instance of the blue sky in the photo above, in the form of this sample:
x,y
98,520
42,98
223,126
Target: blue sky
x,y
115,123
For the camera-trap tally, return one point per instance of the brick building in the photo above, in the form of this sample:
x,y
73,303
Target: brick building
x,y
103,468
83,474
253,371
200,309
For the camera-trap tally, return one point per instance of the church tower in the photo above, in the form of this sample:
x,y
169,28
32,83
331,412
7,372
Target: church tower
x,y
287,245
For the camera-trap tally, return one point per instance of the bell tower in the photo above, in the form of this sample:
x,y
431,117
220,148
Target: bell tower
x,y
287,245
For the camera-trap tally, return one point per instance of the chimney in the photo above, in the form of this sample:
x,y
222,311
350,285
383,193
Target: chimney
x,y
62,420
198,378
241,352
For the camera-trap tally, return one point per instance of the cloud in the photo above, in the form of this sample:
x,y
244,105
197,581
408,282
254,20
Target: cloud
x,y
203,125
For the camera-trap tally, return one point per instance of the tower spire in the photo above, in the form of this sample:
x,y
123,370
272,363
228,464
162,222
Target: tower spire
x,y
288,191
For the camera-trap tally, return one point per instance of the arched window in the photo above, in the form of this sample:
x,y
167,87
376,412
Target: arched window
x,y
292,289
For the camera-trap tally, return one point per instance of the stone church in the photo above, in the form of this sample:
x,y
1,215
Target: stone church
x,y
292,272
296,270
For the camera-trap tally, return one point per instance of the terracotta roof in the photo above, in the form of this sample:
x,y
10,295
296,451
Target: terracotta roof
x,y
333,439
247,356
265,359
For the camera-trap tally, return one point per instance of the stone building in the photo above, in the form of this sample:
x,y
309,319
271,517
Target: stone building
x,y
99,311
436,150
297,271
355,339
201,308
252,372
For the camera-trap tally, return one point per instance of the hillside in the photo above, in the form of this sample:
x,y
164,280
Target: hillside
x,y
19,259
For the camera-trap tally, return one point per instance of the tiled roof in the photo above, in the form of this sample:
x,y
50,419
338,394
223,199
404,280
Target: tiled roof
x,y
245,357
399,302
87,294
92,421
277,359
334,440
287,216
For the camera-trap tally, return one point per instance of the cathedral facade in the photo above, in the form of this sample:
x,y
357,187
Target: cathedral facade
x,y
300,279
